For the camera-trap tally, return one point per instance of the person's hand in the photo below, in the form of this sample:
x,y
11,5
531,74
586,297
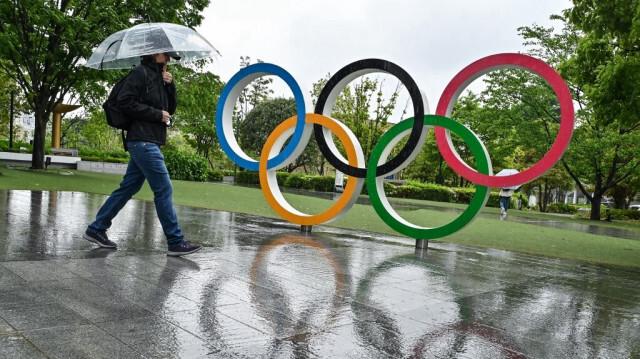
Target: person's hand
x,y
166,117
167,77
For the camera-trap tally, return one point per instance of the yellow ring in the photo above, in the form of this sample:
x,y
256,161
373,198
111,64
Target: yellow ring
x,y
269,184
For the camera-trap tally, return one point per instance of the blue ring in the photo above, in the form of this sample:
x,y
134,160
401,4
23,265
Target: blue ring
x,y
270,69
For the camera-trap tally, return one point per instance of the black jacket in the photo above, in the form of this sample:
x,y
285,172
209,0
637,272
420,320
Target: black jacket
x,y
142,98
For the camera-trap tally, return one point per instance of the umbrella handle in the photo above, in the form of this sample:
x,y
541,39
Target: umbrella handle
x,y
105,53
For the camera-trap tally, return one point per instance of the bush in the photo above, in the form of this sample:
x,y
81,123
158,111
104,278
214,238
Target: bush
x,y
296,181
494,200
624,214
429,192
561,208
4,146
248,177
214,176
100,156
322,183
464,195
281,177
188,167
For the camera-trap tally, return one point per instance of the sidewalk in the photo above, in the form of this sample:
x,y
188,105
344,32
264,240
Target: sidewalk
x,y
261,288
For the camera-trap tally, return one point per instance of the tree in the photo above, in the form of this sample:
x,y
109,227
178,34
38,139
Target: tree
x,y
195,117
606,65
253,94
97,135
7,87
44,41
603,151
364,108
624,192
607,58
262,120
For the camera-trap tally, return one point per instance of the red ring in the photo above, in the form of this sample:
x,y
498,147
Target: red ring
x,y
481,67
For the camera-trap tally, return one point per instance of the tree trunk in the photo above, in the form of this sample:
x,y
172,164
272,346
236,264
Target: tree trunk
x,y
39,138
546,197
439,176
540,195
595,206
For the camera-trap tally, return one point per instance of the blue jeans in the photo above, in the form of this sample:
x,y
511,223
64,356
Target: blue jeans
x,y
146,162
504,202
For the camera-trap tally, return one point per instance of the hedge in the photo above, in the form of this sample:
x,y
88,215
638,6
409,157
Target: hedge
x,y
214,175
183,166
561,208
296,181
247,177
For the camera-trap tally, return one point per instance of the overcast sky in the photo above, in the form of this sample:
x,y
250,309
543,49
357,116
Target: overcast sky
x,y
432,40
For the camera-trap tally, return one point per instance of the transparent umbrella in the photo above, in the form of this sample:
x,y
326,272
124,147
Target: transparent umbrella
x,y
123,49
508,172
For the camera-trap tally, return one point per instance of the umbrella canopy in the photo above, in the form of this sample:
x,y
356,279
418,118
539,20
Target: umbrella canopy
x,y
123,49
508,172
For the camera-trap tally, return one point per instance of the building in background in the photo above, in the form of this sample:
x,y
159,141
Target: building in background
x,y
25,126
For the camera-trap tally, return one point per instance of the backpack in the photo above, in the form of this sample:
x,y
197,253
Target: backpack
x,y
115,117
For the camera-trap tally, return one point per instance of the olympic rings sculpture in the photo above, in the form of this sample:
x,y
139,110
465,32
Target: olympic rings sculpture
x,y
275,155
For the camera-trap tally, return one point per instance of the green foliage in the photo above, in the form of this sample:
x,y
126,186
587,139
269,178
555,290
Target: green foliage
x,y
7,86
364,108
195,115
182,166
256,92
627,213
297,181
424,191
281,177
322,183
494,200
562,208
261,121
464,195
290,180
4,146
104,156
248,178
607,60
97,135
214,175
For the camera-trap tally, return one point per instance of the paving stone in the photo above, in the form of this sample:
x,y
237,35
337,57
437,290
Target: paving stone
x,y
87,341
17,347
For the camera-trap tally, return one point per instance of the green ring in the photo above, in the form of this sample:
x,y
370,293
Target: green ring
x,y
381,204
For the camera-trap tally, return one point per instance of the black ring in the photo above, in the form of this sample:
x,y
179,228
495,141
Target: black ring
x,y
418,112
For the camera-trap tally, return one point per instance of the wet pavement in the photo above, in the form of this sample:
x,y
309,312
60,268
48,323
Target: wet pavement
x,y
261,288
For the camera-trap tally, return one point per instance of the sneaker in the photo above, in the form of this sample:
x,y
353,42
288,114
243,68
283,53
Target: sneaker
x,y
502,211
99,238
183,248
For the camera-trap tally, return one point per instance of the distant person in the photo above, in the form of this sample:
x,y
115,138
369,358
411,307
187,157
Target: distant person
x,y
505,199
520,202
148,98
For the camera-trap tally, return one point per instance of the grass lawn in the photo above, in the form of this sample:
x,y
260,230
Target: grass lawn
x,y
484,232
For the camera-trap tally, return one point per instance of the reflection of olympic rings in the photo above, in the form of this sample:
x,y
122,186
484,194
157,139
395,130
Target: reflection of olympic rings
x,y
274,156
329,255
369,315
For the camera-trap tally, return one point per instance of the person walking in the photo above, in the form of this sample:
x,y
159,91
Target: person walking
x,y
505,199
148,98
